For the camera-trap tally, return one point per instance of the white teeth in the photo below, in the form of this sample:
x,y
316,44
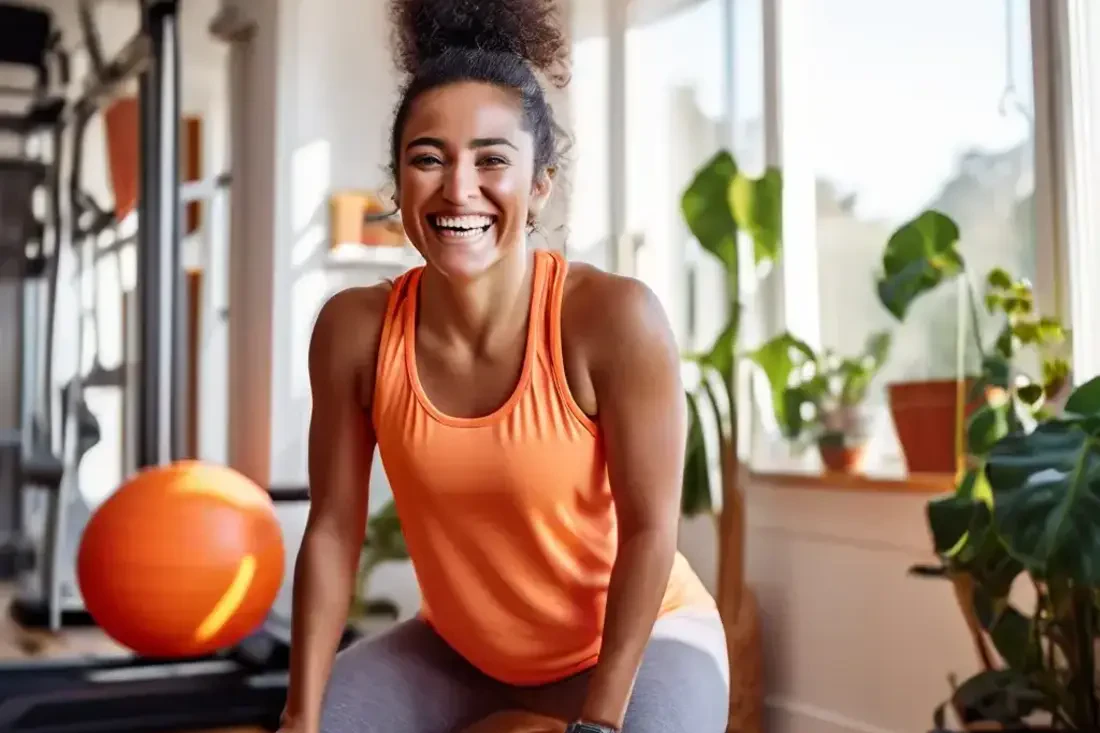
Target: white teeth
x,y
463,222
465,233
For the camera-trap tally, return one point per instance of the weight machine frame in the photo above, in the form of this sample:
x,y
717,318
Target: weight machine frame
x,y
245,685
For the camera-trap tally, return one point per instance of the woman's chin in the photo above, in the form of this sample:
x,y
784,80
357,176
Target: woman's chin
x,y
465,260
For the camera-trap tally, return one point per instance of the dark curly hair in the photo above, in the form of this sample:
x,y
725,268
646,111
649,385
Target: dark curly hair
x,y
500,42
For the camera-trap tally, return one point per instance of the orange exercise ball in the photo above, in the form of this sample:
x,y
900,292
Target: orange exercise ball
x,y
182,560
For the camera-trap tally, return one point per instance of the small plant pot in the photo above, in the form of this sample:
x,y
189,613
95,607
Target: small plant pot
x,y
842,457
924,416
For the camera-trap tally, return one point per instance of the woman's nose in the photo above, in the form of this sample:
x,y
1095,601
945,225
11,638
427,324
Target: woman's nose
x,y
460,183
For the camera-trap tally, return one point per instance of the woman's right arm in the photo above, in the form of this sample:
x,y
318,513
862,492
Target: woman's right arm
x,y
342,356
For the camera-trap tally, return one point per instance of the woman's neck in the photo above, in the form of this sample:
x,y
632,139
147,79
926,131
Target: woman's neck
x,y
481,314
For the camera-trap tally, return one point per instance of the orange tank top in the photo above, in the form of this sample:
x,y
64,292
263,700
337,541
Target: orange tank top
x,y
508,518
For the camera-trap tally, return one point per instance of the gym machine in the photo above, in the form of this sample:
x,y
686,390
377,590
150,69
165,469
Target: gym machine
x,y
244,685
30,124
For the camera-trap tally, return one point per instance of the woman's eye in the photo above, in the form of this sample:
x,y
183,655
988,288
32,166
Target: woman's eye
x,y
493,161
423,161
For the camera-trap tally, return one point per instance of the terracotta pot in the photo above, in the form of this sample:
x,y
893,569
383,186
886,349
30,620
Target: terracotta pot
x,y
842,458
924,416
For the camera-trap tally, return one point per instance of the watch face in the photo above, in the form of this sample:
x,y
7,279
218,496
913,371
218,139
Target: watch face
x,y
589,728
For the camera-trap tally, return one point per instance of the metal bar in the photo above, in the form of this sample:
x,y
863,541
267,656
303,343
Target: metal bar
x,y
205,189
19,91
159,392
92,43
131,62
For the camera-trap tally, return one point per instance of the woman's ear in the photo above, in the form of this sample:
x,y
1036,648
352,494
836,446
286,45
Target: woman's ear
x,y
540,191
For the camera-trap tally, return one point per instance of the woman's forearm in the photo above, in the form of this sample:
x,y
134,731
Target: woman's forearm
x,y
322,595
638,582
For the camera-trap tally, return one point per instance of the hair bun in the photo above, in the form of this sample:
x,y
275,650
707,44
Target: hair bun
x,y
530,29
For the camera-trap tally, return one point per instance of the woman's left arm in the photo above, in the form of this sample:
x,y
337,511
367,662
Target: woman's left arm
x,y
635,372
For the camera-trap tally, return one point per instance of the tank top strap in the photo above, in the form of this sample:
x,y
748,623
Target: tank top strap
x,y
551,343
389,363
557,269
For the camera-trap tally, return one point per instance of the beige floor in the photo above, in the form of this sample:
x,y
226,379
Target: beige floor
x,y
19,643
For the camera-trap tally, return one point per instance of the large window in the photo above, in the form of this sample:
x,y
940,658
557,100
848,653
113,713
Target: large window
x,y
888,110
875,112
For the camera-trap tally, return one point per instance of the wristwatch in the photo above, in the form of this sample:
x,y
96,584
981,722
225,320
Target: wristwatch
x,y
580,726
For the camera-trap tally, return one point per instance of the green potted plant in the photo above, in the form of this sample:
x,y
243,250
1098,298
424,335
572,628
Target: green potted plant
x,y
817,397
931,417
718,205
1028,513
384,542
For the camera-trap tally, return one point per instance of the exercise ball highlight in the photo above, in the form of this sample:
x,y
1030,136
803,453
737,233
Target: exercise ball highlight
x,y
182,560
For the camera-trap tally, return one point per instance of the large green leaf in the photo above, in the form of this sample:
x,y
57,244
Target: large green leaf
x,y
1085,399
987,425
920,255
1010,630
757,205
721,356
1046,498
1006,696
950,519
708,212
695,497
778,359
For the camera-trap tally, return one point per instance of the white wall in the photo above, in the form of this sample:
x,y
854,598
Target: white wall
x,y
852,643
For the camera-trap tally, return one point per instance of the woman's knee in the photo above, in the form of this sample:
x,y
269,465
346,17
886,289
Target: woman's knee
x,y
405,680
683,682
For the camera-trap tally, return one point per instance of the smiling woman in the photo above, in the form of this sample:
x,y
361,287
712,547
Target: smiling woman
x,y
530,418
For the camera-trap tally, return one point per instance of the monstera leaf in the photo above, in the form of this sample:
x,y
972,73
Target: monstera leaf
x,y
919,256
1046,496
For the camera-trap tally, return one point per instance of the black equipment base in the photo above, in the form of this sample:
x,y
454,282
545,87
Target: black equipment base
x,y
244,686
35,614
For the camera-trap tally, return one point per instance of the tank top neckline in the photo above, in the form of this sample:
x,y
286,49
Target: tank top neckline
x,y
535,316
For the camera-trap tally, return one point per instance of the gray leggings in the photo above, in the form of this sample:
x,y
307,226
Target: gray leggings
x,y
408,680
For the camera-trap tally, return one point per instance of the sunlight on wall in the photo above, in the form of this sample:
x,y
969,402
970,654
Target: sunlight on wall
x,y
311,181
312,241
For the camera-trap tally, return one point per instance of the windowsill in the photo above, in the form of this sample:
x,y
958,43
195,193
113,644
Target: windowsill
x,y
773,463
929,484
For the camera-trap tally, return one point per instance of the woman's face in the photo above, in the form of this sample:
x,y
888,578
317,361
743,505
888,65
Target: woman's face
x,y
467,179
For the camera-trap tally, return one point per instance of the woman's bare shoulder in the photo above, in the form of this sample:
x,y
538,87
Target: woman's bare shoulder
x,y
601,309
349,327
